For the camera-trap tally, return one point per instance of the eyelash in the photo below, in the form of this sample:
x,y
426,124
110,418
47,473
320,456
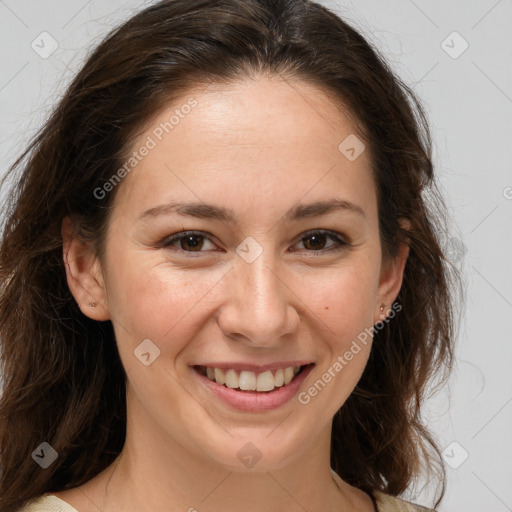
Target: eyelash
x,y
339,242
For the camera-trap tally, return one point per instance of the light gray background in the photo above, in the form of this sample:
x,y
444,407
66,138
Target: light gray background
x,y
469,103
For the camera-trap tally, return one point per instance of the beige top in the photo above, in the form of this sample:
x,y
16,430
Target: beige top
x,y
385,503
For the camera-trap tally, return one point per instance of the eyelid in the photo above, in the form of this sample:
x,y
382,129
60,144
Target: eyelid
x,y
333,234
168,241
338,238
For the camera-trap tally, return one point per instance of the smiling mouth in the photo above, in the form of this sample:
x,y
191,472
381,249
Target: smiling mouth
x,y
244,380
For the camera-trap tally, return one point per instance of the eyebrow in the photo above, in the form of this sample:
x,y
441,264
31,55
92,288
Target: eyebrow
x,y
210,211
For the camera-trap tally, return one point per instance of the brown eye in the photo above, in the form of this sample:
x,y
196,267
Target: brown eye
x,y
315,241
191,242
188,242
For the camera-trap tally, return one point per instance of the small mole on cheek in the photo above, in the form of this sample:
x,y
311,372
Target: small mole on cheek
x,y
326,307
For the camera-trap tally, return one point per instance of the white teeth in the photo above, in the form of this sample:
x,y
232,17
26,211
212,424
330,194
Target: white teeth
x,y
247,381
279,378
265,382
288,375
219,376
231,379
250,381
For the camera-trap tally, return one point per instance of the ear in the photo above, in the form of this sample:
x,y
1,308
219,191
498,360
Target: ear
x,y
391,277
83,273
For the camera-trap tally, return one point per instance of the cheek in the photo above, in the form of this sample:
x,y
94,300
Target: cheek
x,y
345,298
349,295
155,301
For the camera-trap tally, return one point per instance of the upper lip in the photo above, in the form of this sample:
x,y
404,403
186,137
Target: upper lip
x,y
256,368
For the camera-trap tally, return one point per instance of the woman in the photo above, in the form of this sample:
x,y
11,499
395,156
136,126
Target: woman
x,y
222,285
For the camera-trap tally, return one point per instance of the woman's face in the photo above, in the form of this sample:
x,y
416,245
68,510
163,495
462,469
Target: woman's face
x,y
283,269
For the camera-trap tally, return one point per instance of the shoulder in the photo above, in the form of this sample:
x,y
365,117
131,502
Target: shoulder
x,y
47,503
387,503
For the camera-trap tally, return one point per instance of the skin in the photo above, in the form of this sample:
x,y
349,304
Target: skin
x,y
260,147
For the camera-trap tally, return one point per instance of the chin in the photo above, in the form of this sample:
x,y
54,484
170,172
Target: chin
x,y
256,451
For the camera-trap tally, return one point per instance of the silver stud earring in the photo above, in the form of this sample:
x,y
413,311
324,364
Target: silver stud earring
x,y
92,304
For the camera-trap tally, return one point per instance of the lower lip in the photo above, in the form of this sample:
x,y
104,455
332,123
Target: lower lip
x,y
256,401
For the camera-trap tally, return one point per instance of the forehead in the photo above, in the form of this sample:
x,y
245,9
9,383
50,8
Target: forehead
x,y
246,139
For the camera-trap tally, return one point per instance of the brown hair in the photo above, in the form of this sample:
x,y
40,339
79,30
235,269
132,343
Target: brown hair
x,y
63,379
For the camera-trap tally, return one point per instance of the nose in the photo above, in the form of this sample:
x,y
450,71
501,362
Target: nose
x,y
260,307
